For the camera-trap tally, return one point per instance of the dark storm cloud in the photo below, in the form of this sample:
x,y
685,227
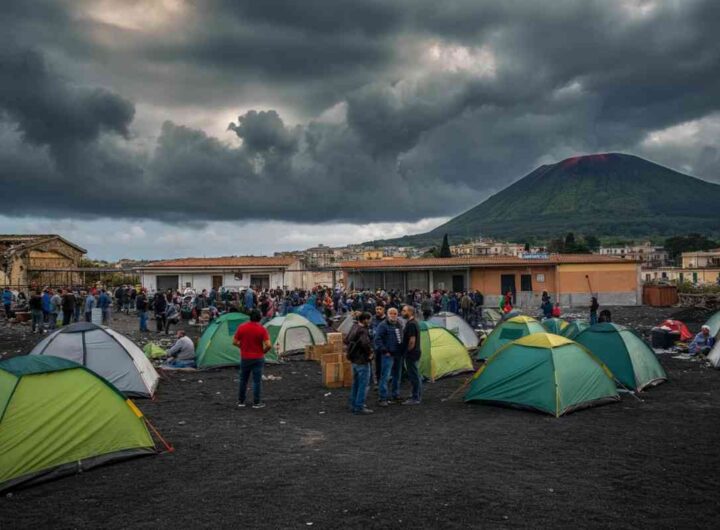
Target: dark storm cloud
x,y
443,103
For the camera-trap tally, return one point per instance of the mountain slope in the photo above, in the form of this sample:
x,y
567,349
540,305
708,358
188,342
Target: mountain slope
x,y
605,195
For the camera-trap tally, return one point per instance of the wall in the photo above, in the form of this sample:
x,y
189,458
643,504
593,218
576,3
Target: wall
x,y
200,280
487,281
614,284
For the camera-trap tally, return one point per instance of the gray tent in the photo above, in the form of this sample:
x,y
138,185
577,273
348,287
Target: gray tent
x,y
109,354
714,355
458,327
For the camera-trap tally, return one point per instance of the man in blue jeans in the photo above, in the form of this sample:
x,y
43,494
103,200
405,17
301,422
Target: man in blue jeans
x,y
253,341
387,340
360,354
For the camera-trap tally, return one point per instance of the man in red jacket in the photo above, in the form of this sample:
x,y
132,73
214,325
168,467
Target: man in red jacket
x,y
254,342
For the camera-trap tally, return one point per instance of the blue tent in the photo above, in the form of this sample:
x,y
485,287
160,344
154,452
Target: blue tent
x,y
311,313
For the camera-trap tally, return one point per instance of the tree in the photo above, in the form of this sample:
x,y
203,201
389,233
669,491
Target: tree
x,y
689,243
570,242
592,243
445,248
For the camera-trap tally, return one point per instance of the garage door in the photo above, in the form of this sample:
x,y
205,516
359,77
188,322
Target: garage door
x,y
168,282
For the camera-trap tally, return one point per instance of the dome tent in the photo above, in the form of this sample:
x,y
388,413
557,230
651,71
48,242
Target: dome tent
x,y
678,326
58,418
714,324
215,347
543,372
630,359
714,356
107,353
573,328
291,333
442,353
554,325
508,331
458,327
311,313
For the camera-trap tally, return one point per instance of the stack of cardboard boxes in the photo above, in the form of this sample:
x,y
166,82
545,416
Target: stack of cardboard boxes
x,y
336,370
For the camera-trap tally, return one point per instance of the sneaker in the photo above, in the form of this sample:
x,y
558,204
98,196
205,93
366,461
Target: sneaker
x,y
241,405
397,400
383,403
259,406
411,402
363,411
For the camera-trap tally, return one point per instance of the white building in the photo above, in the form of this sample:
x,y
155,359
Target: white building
x,y
647,253
234,272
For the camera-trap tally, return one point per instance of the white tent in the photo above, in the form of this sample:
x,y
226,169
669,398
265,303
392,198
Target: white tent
x,y
714,355
109,354
457,325
292,332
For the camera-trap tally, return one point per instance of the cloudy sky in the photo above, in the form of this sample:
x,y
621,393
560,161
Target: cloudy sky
x,y
159,128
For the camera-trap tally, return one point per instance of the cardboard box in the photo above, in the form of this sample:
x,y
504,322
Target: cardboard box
x,y
331,358
316,351
332,374
335,338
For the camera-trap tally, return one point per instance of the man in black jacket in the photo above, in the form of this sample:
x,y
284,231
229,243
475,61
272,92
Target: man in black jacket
x,y
412,352
360,354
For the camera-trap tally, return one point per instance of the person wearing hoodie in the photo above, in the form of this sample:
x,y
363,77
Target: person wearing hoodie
x,y
388,345
159,307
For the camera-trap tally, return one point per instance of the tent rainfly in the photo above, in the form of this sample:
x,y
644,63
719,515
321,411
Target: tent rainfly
x,y
508,331
629,358
346,325
215,347
59,418
573,328
441,353
714,324
291,333
714,355
311,313
543,372
554,325
458,327
107,353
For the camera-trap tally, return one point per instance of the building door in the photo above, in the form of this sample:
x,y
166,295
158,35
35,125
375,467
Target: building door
x,y
526,291
507,284
260,281
458,283
217,281
167,282
695,276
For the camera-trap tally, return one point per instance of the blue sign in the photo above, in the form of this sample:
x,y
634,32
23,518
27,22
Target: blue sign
x,y
535,255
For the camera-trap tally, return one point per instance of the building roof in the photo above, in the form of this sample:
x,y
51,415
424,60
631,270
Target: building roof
x,y
481,261
20,241
228,261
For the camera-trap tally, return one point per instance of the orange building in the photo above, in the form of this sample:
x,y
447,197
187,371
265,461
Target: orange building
x,y
567,277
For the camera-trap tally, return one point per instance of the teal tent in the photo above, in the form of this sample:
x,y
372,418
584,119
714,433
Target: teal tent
x,y
574,328
543,372
629,358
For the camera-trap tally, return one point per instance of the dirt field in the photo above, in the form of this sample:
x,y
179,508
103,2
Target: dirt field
x,y
304,461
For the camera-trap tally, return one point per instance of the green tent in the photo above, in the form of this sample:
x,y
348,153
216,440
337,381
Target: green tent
x,y
215,347
291,333
574,328
508,331
543,372
714,324
57,418
630,359
442,353
554,325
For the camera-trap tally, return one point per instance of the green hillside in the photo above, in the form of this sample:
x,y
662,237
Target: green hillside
x,y
611,195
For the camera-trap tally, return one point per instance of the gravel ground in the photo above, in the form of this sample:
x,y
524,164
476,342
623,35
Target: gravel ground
x,y
305,462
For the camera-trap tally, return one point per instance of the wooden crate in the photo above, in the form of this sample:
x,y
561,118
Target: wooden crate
x,y
316,351
332,374
331,358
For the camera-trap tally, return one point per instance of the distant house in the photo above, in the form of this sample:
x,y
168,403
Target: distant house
x,y
699,268
230,272
36,261
567,277
647,253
